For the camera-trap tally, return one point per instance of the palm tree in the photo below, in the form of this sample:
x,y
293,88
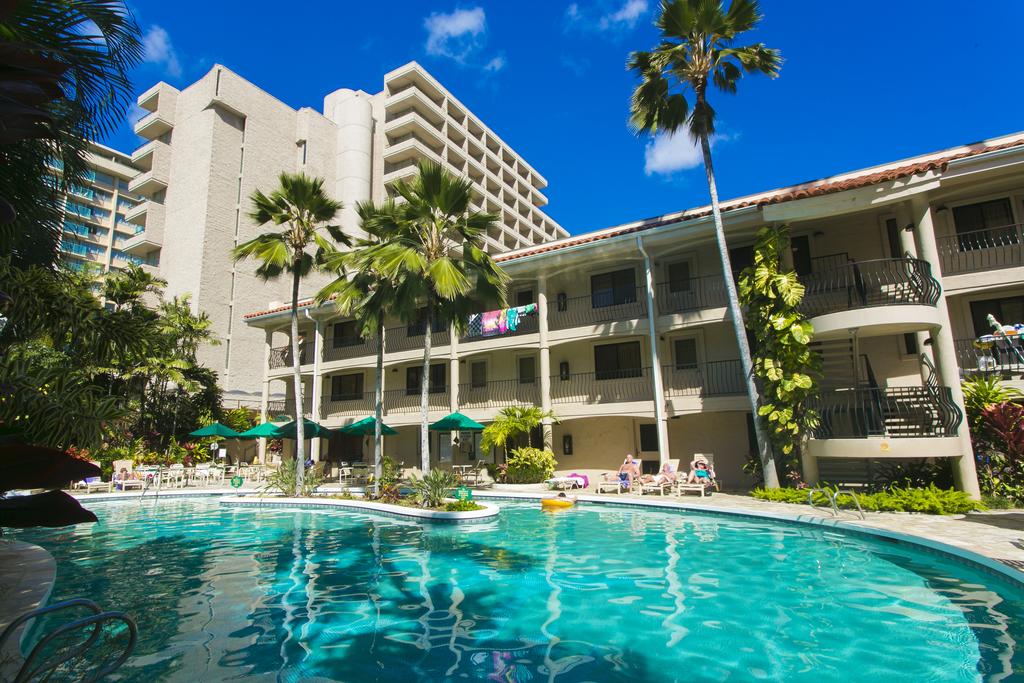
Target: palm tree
x,y
363,290
436,255
126,288
512,423
698,48
303,208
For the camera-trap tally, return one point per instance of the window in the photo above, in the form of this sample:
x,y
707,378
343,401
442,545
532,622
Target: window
x,y
414,375
686,353
985,224
892,234
611,289
478,374
648,438
800,249
740,258
679,277
347,387
616,361
909,344
524,297
345,334
527,369
1007,310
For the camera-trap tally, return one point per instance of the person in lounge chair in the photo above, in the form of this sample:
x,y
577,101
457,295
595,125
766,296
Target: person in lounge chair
x,y
666,475
628,471
121,477
701,472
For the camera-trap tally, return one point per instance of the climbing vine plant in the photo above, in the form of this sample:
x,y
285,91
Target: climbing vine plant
x,y
784,363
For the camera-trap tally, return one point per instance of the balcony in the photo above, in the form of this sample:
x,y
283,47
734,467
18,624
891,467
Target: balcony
x,y
1002,357
411,337
609,386
500,393
152,236
153,125
281,356
138,213
715,378
341,348
597,308
156,166
408,400
891,413
694,294
477,328
981,250
286,408
351,404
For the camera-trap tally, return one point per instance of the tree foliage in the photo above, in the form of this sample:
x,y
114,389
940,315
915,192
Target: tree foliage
x,y
784,364
513,423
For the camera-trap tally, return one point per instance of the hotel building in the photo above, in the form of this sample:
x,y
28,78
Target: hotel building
x,y
211,144
633,348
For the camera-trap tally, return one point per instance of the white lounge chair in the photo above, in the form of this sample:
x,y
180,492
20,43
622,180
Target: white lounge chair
x,y
660,484
682,486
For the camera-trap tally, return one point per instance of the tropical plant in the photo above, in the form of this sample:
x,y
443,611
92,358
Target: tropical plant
x,y
364,290
388,481
462,506
514,422
285,480
529,465
436,257
698,49
930,499
980,392
913,474
434,487
784,363
301,205
126,289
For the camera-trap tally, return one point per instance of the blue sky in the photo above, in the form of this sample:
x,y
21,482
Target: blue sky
x,y
863,83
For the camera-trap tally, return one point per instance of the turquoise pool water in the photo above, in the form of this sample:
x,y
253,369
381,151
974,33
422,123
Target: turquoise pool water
x,y
596,593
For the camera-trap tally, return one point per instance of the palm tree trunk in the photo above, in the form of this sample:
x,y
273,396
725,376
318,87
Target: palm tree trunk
x,y
771,476
300,444
378,406
425,393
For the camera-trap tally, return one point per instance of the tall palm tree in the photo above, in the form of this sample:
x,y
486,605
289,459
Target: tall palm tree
x,y
437,257
364,291
301,206
697,49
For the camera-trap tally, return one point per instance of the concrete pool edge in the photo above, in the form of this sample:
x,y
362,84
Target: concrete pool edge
x,y
27,575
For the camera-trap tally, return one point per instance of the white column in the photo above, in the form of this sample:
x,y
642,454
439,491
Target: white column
x,y
943,346
905,224
545,361
265,399
453,370
318,385
658,385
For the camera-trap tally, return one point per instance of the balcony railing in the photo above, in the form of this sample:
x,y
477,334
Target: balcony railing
x,y
399,339
337,348
977,250
1003,356
618,386
474,330
500,393
866,284
694,294
347,403
597,308
284,408
895,412
716,378
408,401
281,356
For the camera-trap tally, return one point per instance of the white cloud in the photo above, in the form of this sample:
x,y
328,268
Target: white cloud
x,y
159,51
626,16
572,12
671,152
457,34
135,112
496,64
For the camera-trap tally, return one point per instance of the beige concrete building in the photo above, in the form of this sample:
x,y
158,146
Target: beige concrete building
x,y
632,344
215,142
96,227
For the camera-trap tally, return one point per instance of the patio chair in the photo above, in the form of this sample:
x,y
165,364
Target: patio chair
x,y
660,484
682,486
173,476
132,482
610,478
201,475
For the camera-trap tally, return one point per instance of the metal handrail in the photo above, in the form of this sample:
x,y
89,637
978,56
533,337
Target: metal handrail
x,y
712,378
852,494
985,249
596,308
867,284
828,494
691,294
893,412
618,386
281,356
500,393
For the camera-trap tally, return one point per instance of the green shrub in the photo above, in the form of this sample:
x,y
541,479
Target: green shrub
x,y
929,500
462,506
390,475
529,466
283,479
434,487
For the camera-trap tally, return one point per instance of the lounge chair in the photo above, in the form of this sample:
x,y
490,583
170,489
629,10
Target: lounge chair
x,y
573,481
91,484
660,485
606,484
682,486
133,482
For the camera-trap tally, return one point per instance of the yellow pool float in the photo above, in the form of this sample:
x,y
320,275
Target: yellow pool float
x,y
556,503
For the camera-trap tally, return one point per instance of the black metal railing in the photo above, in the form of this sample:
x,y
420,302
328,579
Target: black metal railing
x,y
999,356
607,386
348,403
596,308
977,250
408,401
714,378
500,393
693,294
475,329
865,284
409,337
287,407
281,356
894,412
340,348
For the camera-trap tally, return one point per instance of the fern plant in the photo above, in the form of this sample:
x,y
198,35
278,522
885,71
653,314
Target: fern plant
x,y
434,487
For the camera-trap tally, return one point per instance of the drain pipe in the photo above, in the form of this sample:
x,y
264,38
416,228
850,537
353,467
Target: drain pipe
x,y
314,401
659,388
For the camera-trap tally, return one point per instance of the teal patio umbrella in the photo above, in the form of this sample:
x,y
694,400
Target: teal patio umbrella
x,y
267,430
310,430
216,429
365,427
456,422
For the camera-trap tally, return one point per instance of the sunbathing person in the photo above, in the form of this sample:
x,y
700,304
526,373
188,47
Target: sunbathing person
x,y
666,475
701,472
628,471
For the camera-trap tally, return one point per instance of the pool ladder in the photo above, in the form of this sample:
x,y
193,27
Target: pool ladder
x,y
832,497
34,669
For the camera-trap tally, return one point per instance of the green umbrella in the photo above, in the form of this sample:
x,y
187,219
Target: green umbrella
x,y
216,429
365,427
456,422
267,429
310,430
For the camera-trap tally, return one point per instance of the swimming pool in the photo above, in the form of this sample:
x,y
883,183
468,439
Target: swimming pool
x,y
596,593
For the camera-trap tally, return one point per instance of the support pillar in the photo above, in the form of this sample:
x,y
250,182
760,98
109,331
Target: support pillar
x,y
545,362
943,346
905,223
658,385
318,385
453,376
265,398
